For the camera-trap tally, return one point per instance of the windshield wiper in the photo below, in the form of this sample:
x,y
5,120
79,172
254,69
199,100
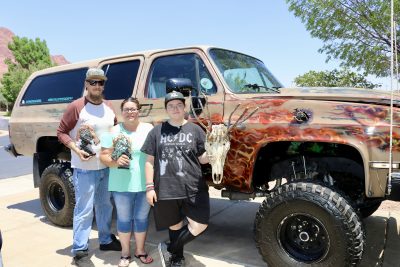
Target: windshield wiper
x,y
258,87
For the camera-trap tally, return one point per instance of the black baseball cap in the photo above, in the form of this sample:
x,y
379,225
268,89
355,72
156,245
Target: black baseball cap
x,y
174,95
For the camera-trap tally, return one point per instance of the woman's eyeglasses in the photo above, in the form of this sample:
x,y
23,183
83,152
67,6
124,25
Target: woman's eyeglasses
x,y
93,83
130,110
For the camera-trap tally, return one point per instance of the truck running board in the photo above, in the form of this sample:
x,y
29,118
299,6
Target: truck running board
x,y
234,195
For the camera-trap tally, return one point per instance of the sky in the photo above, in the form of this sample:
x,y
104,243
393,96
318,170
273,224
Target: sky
x,y
83,30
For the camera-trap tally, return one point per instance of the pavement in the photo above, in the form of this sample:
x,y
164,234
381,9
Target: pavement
x,y
3,123
30,240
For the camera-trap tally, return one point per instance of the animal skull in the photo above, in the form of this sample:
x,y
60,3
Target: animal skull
x,y
217,145
218,138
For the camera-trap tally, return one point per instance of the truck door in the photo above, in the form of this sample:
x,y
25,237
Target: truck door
x,y
190,64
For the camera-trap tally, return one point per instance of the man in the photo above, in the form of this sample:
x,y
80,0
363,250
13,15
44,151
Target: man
x,y
80,128
173,195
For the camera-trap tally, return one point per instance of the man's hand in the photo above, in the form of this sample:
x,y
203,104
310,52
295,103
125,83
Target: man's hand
x,y
83,155
151,197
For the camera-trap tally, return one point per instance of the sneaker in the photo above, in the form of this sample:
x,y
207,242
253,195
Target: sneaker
x,y
82,259
165,255
178,262
81,254
115,245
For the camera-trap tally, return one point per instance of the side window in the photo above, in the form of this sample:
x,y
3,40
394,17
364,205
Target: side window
x,y
121,79
179,66
59,87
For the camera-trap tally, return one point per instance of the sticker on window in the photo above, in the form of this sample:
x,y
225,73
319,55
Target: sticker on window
x,y
206,83
60,99
32,101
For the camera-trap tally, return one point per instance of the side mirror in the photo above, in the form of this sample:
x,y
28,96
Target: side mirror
x,y
182,85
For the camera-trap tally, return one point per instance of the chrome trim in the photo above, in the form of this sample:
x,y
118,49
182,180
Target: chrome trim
x,y
383,165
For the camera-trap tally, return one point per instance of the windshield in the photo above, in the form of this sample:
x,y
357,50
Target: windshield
x,y
244,74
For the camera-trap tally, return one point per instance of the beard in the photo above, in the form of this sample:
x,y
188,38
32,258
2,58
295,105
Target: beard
x,y
95,97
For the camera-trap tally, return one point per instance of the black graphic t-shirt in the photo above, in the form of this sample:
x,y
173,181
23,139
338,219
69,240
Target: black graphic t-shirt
x,y
177,170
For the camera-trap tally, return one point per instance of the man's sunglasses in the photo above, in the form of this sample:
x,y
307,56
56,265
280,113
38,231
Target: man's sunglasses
x,y
93,83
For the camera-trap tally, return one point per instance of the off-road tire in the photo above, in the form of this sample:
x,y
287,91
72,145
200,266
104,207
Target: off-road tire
x,y
307,224
57,195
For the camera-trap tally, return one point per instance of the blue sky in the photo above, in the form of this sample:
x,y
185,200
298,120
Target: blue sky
x,y
82,30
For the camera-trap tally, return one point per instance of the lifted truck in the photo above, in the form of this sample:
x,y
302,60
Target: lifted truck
x,y
319,156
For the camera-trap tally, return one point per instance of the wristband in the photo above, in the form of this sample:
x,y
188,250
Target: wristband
x,y
149,189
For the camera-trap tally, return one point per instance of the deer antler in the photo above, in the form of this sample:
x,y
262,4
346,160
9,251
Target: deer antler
x,y
240,119
208,115
217,141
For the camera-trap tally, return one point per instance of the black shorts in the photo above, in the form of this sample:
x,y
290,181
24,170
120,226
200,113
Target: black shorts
x,y
172,211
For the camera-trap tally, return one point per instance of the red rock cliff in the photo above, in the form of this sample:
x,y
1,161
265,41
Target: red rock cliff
x,y
5,37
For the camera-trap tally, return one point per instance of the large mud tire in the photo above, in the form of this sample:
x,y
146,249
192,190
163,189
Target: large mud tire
x,y
307,224
57,195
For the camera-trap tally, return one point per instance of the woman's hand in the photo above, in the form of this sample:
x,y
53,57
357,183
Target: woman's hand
x,y
123,160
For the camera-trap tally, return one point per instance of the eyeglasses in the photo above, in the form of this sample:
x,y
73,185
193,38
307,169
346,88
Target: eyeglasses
x,y
179,106
130,110
93,83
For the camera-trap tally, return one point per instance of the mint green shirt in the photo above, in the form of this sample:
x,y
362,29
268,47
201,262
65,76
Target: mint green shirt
x,y
132,180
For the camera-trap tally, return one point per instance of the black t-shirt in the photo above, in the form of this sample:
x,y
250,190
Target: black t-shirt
x,y
177,170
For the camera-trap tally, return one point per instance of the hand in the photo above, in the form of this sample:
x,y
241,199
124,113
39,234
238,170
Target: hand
x,y
83,155
151,197
210,157
123,160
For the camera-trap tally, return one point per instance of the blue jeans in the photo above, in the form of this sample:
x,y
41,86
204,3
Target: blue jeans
x,y
91,191
132,211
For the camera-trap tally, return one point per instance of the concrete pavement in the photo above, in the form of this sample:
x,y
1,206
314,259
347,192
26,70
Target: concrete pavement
x,y
31,240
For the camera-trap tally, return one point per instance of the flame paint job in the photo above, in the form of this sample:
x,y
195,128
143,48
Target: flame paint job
x,y
333,122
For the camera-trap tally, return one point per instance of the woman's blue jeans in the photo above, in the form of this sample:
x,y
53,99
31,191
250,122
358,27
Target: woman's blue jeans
x,y
91,191
132,211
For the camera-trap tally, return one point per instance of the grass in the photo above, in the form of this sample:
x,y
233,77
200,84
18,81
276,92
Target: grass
x,y
5,113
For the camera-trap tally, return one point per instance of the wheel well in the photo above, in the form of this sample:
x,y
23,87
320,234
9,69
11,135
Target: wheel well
x,y
53,147
311,160
48,150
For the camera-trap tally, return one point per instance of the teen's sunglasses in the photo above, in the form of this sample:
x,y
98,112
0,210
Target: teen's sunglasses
x,y
93,83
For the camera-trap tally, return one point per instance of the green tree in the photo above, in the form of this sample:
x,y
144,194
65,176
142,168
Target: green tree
x,y
334,78
30,55
355,32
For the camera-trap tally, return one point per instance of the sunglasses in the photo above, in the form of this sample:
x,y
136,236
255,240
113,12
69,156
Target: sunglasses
x,y
93,83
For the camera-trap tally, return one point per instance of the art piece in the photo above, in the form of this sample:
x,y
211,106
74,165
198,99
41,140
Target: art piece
x,y
87,138
122,146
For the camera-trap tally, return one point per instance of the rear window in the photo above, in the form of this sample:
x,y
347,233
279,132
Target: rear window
x,y
60,87
121,79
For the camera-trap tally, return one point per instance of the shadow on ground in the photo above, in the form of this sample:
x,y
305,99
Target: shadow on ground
x,y
229,236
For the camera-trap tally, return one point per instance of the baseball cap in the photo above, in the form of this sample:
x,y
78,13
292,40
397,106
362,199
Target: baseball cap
x,y
174,95
95,73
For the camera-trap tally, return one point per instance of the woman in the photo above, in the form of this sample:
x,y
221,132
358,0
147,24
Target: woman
x,y
128,184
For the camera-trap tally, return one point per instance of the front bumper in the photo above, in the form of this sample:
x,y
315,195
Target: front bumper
x,y
11,149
